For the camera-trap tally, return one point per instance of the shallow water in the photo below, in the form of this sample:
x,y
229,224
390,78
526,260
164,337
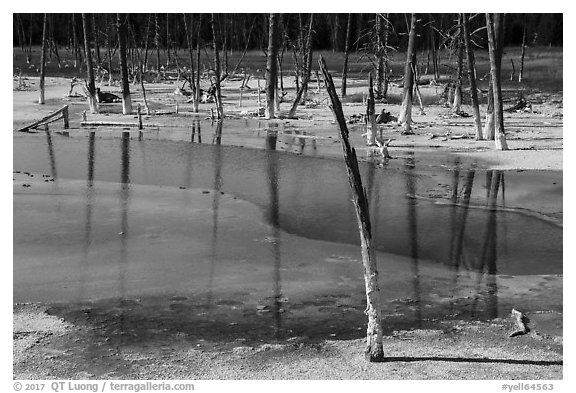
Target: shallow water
x,y
267,235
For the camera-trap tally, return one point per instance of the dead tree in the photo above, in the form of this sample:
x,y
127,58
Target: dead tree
x,y
126,99
374,347
192,80
495,25
308,61
371,126
272,66
43,60
75,41
346,55
521,72
92,100
456,105
217,70
379,57
96,42
489,124
301,94
384,92
472,76
405,117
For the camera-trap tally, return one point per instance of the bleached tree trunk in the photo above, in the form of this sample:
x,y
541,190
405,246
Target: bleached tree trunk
x,y
43,60
385,50
495,27
309,54
192,79
456,105
489,124
346,55
217,69
96,41
374,334
272,66
301,94
379,57
126,98
405,117
371,127
75,41
197,100
92,101
521,73
472,76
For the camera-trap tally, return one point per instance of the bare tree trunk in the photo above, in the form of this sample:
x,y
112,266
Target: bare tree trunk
x,y
217,70
197,100
374,334
272,66
93,102
308,60
521,73
456,106
405,117
371,127
75,40
157,43
434,52
472,76
346,55
379,57
96,41
192,79
29,56
489,125
301,94
109,51
495,27
126,99
43,60
385,49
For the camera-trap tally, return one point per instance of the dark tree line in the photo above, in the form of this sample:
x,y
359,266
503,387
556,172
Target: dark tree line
x,y
251,30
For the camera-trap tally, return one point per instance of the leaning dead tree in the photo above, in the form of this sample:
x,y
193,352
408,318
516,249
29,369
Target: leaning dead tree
x,y
92,100
43,60
374,348
495,25
405,117
472,75
272,66
126,99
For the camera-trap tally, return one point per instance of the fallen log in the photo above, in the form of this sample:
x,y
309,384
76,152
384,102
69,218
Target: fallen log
x,y
61,113
107,124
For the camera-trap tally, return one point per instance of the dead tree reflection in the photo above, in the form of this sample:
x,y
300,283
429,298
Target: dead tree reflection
x,y
217,138
488,258
274,219
196,128
51,155
215,207
413,234
124,227
88,214
460,209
